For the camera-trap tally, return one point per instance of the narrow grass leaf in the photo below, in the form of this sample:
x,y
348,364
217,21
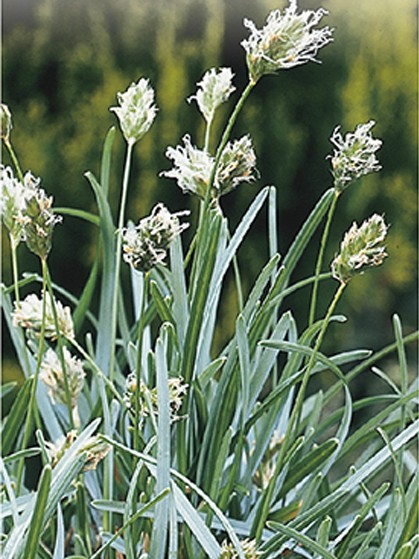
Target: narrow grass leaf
x,y
16,417
107,228
140,512
59,545
303,540
197,526
161,518
38,518
309,464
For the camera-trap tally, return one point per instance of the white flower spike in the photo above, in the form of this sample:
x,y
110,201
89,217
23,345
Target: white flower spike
x,y
137,110
362,247
288,39
354,155
213,90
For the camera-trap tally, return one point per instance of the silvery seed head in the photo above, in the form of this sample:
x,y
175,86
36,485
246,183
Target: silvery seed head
x,y
288,39
237,164
52,374
191,167
28,315
5,122
146,244
213,90
354,155
137,110
38,221
362,247
13,197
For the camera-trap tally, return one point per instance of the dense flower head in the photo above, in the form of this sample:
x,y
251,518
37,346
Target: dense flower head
x,y
5,122
38,221
137,110
52,374
147,398
192,167
362,247
145,245
249,548
354,155
288,39
13,196
237,164
213,90
94,447
28,314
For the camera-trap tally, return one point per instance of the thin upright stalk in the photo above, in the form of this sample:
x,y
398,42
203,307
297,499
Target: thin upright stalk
x,y
33,414
263,512
14,159
71,416
15,273
121,220
320,256
226,135
140,336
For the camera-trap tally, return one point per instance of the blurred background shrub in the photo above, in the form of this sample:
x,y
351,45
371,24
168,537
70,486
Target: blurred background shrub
x,y
63,63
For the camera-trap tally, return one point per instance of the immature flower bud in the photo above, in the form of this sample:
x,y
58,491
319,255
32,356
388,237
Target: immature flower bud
x,y
287,40
236,165
249,549
214,89
354,156
137,111
94,448
147,396
5,122
52,374
28,314
38,221
146,244
362,247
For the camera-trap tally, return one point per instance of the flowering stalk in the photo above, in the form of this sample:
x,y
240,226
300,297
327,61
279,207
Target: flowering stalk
x,y
320,256
361,247
224,139
6,128
33,413
60,349
118,255
140,335
263,511
353,157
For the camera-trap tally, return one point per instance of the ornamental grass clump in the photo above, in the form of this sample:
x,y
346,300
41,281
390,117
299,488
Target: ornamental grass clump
x,y
149,439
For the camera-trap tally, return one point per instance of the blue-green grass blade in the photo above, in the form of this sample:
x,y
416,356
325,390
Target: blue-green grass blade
x,y
196,524
162,511
107,228
304,541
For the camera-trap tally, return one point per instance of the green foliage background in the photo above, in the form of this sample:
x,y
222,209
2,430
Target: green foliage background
x,y
64,62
